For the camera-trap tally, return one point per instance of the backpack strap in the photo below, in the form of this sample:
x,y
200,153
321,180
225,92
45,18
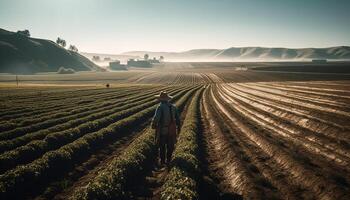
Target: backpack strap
x,y
171,113
161,115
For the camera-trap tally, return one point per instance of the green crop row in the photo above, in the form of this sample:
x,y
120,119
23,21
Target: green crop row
x,y
68,109
55,140
53,94
18,181
181,182
35,127
42,109
60,124
22,108
113,181
22,101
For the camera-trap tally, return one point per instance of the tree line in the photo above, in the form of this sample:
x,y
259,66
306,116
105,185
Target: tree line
x,y
146,57
59,40
62,43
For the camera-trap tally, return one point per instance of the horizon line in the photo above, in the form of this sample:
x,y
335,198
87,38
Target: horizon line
x,y
150,51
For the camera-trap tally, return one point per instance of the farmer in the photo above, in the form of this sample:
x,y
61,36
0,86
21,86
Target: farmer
x,y
166,122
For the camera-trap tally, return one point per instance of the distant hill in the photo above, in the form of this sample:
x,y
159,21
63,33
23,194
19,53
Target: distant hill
x,y
26,55
110,57
252,53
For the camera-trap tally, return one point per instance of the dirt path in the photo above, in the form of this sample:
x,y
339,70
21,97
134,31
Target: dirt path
x,y
150,185
215,148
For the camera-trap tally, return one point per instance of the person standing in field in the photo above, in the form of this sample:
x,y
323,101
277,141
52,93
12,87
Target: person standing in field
x,y
166,123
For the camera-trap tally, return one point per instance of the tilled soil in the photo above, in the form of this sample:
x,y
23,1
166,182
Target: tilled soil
x,y
271,157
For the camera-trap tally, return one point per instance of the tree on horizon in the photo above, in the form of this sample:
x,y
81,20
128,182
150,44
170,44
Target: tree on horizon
x,y
73,48
24,32
146,56
61,42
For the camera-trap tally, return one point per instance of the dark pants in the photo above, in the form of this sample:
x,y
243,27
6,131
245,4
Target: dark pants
x,y
166,148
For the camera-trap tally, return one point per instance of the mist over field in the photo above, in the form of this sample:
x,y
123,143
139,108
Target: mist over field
x,y
236,54
252,54
174,100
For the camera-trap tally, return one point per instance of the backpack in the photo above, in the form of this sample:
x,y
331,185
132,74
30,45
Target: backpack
x,y
172,126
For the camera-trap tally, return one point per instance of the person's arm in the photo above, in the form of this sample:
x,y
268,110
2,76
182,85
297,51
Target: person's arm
x,y
177,119
156,118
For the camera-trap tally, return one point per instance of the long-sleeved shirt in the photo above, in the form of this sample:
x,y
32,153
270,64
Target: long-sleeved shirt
x,y
162,115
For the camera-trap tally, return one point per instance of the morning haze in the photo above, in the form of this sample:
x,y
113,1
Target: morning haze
x,y
174,99
119,26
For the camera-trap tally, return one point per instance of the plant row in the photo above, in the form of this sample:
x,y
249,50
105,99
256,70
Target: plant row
x,y
181,182
18,108
57,97
55,140
18,181
76,114
68,122
124,170
70,109
54,107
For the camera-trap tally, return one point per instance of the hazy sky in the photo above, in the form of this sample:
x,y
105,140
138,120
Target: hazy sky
x,y
114,26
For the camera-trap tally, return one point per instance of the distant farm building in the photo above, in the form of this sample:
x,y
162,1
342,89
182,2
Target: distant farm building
x,y
139,63
154,61
115,65
319,61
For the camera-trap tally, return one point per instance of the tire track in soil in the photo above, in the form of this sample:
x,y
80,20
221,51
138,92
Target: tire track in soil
x,y
318,100
329,86
306,91
307,179
297,100
332,169
300,107
265,169
268,118
223,163
300,117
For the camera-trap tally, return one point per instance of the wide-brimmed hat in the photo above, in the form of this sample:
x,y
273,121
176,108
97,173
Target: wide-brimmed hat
x,y
163,96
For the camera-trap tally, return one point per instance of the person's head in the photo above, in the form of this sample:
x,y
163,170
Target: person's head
x,y
163,97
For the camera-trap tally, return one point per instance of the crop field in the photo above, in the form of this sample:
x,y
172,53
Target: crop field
x,y
244,135
280,141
